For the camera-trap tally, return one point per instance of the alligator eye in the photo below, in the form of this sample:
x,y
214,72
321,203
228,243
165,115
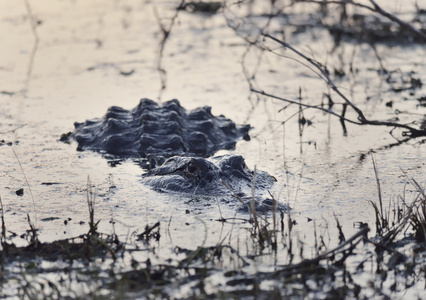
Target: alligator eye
x,y
192,167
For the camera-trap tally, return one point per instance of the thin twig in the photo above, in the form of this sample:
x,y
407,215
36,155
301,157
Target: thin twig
x,y
27,182
33,25
13,130
32,21
319,107
166,34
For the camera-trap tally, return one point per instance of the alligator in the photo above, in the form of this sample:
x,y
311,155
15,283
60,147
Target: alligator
x,y
174,144
159,131
226,175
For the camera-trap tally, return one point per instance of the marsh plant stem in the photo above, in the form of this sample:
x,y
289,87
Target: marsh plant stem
x,y
166,34
28,184
33,25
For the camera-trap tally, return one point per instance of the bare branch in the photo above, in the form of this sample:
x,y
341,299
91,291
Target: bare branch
x,y
324,73
401,23
362,120
377,9
306,105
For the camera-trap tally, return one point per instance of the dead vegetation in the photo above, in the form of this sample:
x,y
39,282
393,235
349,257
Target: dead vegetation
x,y
98,261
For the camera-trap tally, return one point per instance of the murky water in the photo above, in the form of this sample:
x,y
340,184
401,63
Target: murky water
x,y
95,54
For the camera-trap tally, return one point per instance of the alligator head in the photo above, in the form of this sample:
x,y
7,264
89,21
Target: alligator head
x,y
226,176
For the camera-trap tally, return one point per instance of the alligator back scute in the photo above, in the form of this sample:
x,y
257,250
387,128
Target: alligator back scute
x,y
166,128
116,126
201,113
172,143
154,129
116,144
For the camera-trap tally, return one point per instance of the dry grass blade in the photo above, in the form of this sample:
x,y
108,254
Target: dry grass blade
x,y
418,215
91,200
379,213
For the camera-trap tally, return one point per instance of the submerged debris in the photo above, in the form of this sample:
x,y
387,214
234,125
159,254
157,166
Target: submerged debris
x,y
210,7
19,192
